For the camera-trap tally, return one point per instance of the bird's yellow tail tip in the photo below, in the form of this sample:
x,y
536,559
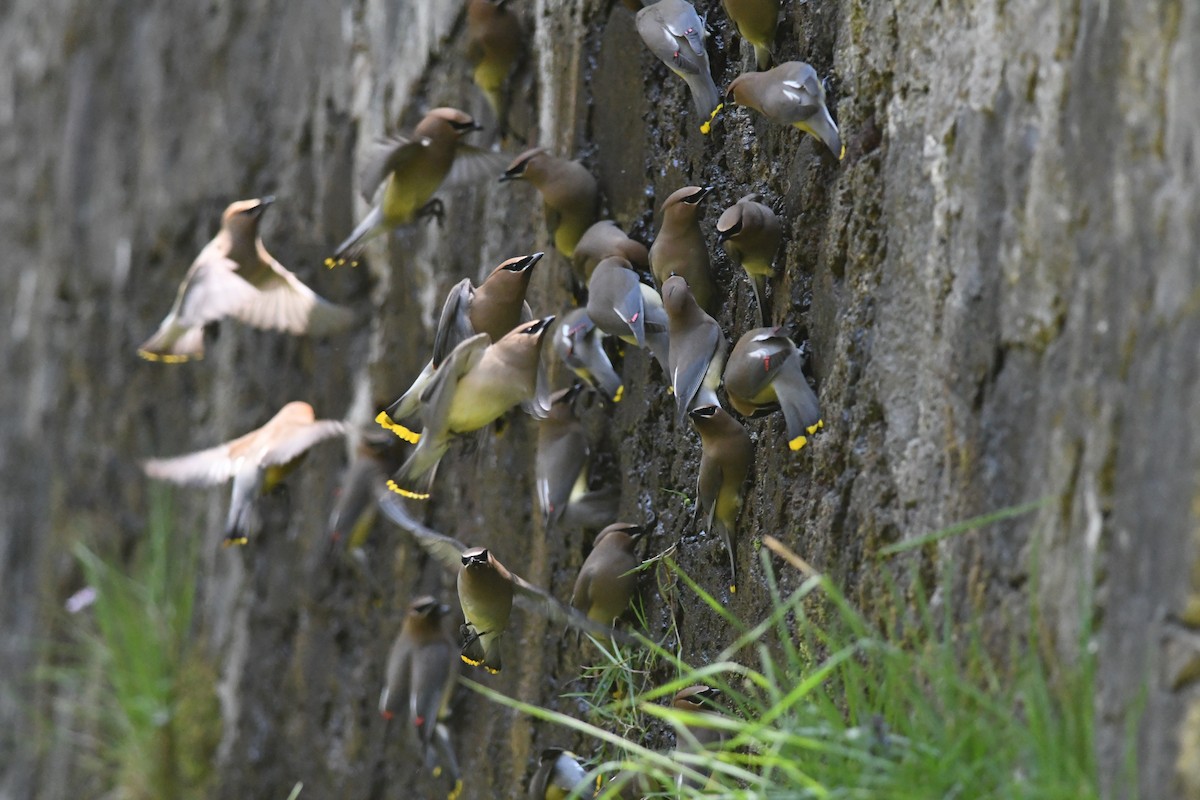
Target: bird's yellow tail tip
x,y
164,358
619,393
234,541
798,443
389,424
395,487
706,127
733,588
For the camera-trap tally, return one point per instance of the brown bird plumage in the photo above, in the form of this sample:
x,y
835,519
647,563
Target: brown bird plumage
x,y
494,308
570,195
765,372
725,459
750,233
234,276
410,169
477,384
605,586
602,240
789,94
257,462
680,249
495,43
422,671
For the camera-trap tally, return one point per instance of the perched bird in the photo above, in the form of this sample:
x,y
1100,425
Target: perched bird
x,y
680,249
562,469
364,478
765,372
411,168
725,458
487,591
235,276
756,21
751,233
559,773
789,94
622,306
494,307
696,736
495,42
422,672
257,462
606,582
602,240
476,384
675,33
570,196
698,348
578,343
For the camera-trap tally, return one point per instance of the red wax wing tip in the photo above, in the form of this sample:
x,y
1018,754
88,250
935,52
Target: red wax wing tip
x,y
337,536
386,714
635,316
419,721
766,363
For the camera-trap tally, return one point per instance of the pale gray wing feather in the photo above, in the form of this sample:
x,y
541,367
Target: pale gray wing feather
x,y
302,439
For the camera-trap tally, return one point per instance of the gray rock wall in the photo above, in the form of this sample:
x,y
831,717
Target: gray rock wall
x,y
1000,285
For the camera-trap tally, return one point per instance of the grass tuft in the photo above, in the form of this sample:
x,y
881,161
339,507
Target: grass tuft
x,y
818,702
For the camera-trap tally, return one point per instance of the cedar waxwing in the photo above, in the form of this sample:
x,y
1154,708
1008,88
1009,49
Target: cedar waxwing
x,y
602,240
411,168
559,773
675,33
562,469
495,42
680,249
476,384
789,94
570,196
750,233
606,584
364,478
725,459
694,736
235,276
622,306
698,348
257,462
764,372
578,343
495,307
756,21
489,591
422,672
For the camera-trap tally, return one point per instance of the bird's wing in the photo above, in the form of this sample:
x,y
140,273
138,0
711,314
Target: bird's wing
x,y
687,377
283,302
302,439
396,688
202,468
454,326
538,601
687,30
212,290
474,164
443,548
385,156
438,396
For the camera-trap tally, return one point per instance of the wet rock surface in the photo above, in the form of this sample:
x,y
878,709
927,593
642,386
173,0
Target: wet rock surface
x,y
998,287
